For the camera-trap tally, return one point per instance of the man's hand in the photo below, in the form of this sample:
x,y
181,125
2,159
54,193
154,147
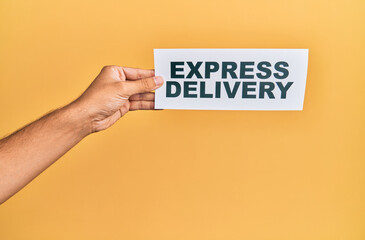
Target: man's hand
x,y
114,92
29,151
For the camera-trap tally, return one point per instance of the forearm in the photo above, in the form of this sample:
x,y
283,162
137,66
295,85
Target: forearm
x,y
29,151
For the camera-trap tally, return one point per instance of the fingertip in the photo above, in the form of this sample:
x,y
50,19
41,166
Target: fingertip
x,y
158,81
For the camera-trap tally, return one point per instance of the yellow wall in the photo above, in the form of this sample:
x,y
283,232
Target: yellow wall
x,y
189,174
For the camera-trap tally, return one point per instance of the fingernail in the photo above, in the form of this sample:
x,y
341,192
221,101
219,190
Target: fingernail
x,y
158,81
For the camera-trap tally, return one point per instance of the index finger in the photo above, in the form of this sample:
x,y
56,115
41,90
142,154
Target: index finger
x,y
137,73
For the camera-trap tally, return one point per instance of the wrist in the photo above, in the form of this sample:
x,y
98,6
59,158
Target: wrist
x,y
78,119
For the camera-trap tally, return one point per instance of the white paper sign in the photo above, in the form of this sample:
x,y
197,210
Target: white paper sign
x,y
231,79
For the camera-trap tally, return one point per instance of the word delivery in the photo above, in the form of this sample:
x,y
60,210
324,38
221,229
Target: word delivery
x,y
228,71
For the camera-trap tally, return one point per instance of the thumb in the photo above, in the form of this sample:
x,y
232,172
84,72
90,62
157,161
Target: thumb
x,y
142,85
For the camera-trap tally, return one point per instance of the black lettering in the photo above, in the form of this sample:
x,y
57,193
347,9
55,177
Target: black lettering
x,y
203,94
188,87
194,69
217,89
244,69
174,69
169,85
284,71
263,67
246,89
283,88
225,69
209,69
231,93
269,90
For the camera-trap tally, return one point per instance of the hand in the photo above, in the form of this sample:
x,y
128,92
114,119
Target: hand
x,y
114,92
29,151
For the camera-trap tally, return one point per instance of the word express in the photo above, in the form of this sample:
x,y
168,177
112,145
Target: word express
x,y
231,79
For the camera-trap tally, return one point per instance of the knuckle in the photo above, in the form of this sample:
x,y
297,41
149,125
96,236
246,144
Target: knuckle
x,y
110,67
107,67
146,84
132,106
139,74
122,87
137,97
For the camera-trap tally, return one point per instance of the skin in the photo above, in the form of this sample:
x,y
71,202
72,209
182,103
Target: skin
x,y
30,150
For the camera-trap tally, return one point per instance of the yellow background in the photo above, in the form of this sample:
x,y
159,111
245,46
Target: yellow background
x,y
189,174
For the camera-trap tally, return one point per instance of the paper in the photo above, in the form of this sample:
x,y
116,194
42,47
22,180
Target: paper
x,y
231,79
